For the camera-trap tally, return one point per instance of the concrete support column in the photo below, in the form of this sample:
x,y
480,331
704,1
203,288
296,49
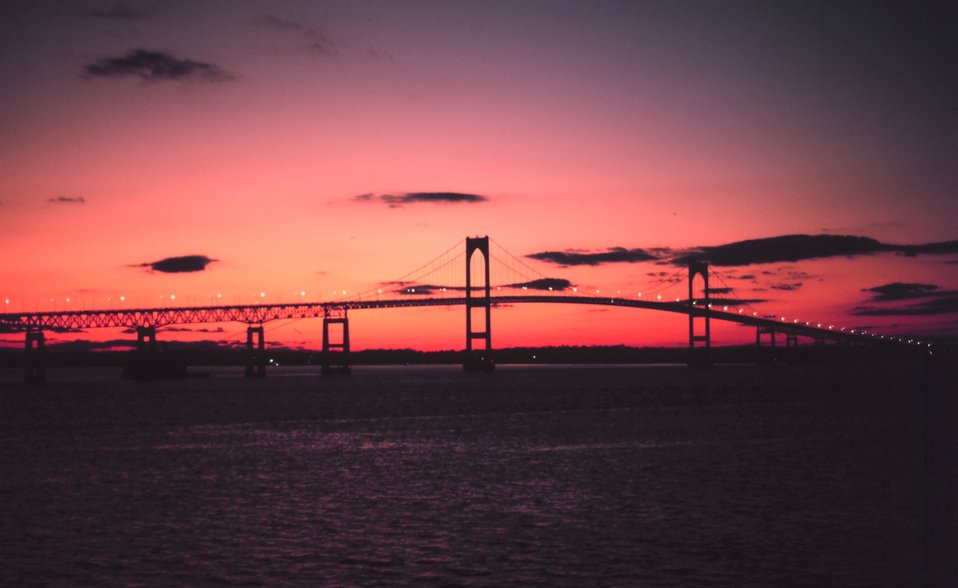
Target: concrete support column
x,y
35,359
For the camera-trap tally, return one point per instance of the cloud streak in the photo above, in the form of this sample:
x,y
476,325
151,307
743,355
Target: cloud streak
x,y
118,11
67,200
942,305
545,284
314,40
156,66
784,248
792,248
612,255
399,200
902,291
177,265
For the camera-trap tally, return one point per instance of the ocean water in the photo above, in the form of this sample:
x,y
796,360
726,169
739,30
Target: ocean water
x,y
531,476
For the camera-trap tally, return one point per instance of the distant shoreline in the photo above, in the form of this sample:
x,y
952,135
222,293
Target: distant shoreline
x,y
68,355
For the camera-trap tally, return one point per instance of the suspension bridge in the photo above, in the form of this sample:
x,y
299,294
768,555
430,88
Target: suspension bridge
x,y
497,278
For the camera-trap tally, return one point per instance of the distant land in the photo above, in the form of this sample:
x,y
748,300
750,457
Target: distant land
x,y
75,354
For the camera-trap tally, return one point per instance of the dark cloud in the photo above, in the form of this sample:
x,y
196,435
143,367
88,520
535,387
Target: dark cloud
x,y
193,330
612,255
67,200
313,39
800,247
398,200
787,286
155,66
418,290
713,291
119,10
555,284
175,265
942,305
901,291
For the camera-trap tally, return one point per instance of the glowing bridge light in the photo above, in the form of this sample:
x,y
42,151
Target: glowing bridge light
x,y
640,295
725,308
659,297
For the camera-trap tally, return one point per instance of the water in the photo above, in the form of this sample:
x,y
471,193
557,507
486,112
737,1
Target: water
x,y
557,476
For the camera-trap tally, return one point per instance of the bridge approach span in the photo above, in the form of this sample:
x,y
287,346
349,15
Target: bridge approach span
x,y
258,314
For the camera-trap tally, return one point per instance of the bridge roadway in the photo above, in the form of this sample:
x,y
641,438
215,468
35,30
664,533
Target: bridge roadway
x,y
257,314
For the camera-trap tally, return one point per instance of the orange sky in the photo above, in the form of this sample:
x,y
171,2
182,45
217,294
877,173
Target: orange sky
x,y
132,132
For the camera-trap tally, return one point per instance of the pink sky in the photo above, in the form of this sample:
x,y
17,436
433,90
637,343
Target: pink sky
x,y
584,126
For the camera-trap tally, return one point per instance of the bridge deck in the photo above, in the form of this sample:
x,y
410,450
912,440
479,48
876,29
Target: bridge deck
x,y
255,314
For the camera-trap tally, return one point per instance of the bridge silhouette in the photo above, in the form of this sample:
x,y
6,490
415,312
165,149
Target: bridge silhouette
x,y
477,292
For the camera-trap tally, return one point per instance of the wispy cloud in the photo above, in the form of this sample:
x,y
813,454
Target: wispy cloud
x,y
176,265
576,257
399,200
155,66
942,305
67,200
119,10
313,39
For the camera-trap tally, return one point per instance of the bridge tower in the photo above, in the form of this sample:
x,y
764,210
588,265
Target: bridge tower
x,y
700,345
35,361
255,352
478,359
335,354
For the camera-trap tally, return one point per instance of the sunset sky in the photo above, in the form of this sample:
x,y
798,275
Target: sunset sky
x,y
306,146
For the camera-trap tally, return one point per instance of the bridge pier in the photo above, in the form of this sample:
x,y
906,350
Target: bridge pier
x,y
478,359
336,354
791,340
700,345
147,363
34,370
765,354
146,339
255,352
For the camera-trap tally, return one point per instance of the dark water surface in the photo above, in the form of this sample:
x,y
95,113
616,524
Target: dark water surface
x,y
554,476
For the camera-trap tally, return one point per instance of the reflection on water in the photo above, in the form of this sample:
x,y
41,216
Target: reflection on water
x,y
395,476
